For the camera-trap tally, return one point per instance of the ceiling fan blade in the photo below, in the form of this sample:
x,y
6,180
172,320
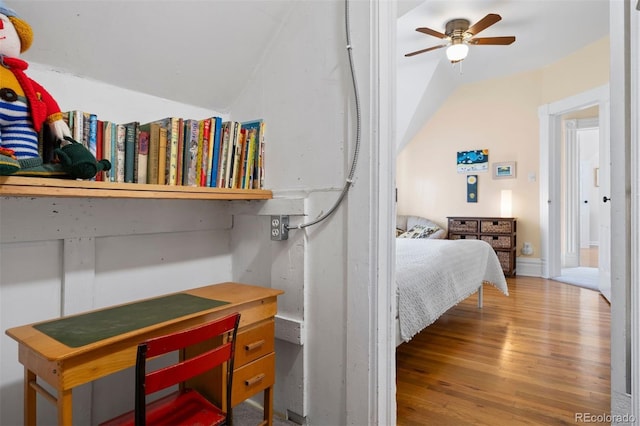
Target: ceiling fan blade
x,y
485,22
425,50
493,40
431,32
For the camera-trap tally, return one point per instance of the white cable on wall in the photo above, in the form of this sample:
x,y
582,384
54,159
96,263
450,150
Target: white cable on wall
x,y
356,150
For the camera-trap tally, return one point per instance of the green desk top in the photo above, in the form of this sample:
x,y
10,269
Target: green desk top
x,y
91,327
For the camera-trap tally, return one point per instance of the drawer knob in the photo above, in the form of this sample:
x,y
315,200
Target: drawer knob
x,y
255,379
254,345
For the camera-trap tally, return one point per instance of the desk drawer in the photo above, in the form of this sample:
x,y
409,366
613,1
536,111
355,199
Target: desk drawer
x,y
255,342
253,378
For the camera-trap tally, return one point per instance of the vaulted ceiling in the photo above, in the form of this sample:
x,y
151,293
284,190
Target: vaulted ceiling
x,y
545,31
203,52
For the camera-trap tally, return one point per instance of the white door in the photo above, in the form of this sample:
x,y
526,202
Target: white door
x,y
604,210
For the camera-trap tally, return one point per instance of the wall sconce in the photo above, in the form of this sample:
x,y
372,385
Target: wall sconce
x,y
505,203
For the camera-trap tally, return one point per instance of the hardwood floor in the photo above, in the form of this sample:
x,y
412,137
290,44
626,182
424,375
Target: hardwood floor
x,y
540,356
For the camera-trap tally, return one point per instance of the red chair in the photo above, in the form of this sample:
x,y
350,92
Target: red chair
x,y
185,406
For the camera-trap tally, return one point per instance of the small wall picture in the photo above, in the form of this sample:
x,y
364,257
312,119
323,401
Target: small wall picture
x,y
473,161
472,189
506,170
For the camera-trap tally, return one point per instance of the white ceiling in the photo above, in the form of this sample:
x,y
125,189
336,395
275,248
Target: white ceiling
x,y
203,52
545,31
200,53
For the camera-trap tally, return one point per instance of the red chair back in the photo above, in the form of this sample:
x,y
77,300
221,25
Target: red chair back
x,y
148,382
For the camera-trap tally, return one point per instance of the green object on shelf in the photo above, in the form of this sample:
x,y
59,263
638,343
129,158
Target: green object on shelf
x,y
83,329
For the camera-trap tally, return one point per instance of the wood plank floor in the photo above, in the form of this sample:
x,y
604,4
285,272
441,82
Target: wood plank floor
x,y
540,356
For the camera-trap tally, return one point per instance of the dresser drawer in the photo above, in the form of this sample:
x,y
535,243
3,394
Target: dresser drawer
x,y
462,237
254,342
496,226
253,378
499,241
463,225
507,261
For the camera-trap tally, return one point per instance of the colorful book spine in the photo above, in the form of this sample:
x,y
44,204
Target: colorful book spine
x,y
204,160
99,146
92,132
254,174
120,152
216,125
192,132
237,159
143,155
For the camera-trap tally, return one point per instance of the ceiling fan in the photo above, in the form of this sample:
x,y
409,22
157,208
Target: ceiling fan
x,y
459,35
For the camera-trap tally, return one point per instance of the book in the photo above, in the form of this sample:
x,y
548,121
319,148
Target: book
x,y
224,148
153,129
249,160
171,124
216,129
234,134
99,147
191,131
205,141
256,179
163,141
114,150
120,152
106,149
237,158
130,157
180,152
143,154
77,121
91,133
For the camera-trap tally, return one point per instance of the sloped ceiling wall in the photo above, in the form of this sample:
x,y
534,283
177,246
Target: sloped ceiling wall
x,y
197,52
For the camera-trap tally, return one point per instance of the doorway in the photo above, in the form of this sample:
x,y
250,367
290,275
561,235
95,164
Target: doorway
x,y
580,192
553,254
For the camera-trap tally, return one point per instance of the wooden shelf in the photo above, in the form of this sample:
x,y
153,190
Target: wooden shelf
x,y
16,186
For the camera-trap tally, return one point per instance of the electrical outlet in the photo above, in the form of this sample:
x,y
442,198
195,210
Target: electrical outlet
x,y
279,230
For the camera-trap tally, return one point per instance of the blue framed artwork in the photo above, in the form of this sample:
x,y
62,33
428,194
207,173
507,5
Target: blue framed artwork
x,y
473,161
472,188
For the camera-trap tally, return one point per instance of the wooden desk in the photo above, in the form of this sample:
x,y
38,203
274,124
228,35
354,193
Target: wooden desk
x,y
64,367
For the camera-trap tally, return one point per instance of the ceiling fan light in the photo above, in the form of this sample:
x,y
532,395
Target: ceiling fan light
x,y
457,52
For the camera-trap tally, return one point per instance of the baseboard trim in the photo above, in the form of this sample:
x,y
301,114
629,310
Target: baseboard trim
x,y
529,266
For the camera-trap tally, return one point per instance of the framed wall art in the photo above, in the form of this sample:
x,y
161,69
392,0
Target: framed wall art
x,y
505,170
472,161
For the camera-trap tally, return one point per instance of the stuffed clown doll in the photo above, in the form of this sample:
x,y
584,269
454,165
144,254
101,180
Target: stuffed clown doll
x,y
26,106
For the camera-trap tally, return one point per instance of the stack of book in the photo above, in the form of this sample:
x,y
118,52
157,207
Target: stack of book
x,y
174,150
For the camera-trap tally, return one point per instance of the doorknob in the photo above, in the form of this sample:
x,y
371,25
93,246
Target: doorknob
x,y
605,199
586,201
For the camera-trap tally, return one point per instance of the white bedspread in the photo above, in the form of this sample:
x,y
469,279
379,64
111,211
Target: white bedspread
x,y
435,275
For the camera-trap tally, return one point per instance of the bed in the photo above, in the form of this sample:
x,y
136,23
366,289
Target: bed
x,y
434,274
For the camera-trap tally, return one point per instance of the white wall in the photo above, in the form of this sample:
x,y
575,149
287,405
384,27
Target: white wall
x,y
62,256
303,90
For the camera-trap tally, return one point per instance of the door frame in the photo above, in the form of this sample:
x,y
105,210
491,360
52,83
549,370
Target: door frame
x,y
550,116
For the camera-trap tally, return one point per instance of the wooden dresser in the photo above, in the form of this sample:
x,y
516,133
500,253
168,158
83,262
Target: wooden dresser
x,y
499,232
